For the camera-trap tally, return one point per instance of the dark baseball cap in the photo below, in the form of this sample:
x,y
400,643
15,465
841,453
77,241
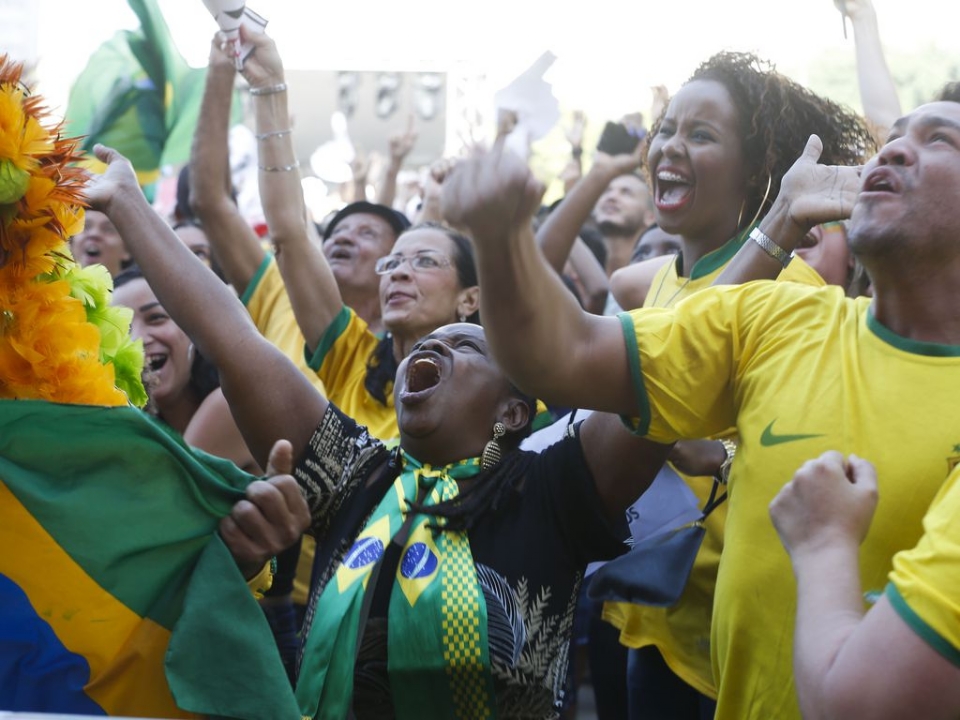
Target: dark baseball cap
x,y
394,218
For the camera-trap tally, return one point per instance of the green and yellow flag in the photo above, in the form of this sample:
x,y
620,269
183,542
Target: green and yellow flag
x,y
117,597
138,95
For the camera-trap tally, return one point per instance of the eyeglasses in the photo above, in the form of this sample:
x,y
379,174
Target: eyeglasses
x,y
425,260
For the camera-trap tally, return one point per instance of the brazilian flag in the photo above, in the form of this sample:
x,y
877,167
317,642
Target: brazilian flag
x,y
138,95
117,597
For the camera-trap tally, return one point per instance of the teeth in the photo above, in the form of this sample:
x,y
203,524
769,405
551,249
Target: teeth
x,y
670,176
429,362
155,361
424,373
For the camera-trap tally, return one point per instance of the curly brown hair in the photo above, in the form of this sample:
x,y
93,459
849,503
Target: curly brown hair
x,y
777,116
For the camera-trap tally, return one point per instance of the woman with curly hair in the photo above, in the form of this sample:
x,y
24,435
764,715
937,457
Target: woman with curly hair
x,y
716,158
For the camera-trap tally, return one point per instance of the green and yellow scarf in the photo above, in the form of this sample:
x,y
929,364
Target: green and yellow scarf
x,y
438,659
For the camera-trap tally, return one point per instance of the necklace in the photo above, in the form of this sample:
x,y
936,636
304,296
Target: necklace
x,y
669,303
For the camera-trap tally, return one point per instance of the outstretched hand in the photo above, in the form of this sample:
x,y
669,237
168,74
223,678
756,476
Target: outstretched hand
x,y
270,519
492,194
815,193
830,500
118,178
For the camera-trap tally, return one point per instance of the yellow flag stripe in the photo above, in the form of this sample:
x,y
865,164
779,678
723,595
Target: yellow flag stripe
x,y
125,652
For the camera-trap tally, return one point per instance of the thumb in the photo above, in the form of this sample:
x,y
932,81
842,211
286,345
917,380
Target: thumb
x,y
813,148
105,154
281,459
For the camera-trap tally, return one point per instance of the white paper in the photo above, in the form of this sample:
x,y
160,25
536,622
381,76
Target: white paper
x,y
230,15
532,99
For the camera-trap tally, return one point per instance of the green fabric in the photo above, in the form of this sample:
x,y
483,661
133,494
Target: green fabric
x,y
437,650
138,95
138,511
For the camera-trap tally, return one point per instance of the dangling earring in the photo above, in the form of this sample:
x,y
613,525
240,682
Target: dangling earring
x,y
191,352
463,318
492,451
740,215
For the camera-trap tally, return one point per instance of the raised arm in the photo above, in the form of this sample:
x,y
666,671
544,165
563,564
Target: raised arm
x,y
235,245
541,337
558,233
822,516
310,282
269,397
878,94
400,145
810,193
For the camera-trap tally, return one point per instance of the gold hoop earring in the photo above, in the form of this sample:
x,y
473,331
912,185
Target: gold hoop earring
x,y
763,202
743,206
463,318
492,452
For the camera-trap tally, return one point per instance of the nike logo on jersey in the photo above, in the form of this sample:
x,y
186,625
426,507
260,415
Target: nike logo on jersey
x,y
768,438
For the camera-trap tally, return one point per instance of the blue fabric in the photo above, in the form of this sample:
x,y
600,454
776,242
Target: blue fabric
x,y
47,678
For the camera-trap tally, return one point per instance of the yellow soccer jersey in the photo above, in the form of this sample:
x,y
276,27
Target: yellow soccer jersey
x,y
341,361
924,586
798,371
267,302
682,632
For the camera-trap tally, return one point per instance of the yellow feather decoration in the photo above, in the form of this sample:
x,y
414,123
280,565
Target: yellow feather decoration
x,y
51,347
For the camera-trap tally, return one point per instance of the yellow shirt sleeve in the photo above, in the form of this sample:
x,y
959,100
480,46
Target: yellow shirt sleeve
x,y
685,361
924,586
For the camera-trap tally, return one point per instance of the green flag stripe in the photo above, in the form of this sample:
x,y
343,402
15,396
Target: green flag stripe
x,y
61,461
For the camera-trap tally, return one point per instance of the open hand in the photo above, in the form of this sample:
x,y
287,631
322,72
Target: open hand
x,y
816,193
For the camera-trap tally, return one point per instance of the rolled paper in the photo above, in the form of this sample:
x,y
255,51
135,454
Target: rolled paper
x,y
229,16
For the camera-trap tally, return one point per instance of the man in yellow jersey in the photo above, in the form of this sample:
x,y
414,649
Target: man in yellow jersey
x,y
797,370
822,515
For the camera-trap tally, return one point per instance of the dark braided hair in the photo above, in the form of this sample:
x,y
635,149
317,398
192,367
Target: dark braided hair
x,y
490,487
382,364
777,116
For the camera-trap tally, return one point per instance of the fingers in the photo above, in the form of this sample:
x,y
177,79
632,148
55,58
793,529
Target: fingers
x,y
269,520
280,461
862,473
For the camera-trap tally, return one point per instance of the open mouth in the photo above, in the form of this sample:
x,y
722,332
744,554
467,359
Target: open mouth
x,y
880,182
423,374
154,362
673,190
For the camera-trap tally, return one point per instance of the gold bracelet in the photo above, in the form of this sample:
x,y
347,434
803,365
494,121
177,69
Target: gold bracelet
x,y
275,133
268,89
280,168
730,448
